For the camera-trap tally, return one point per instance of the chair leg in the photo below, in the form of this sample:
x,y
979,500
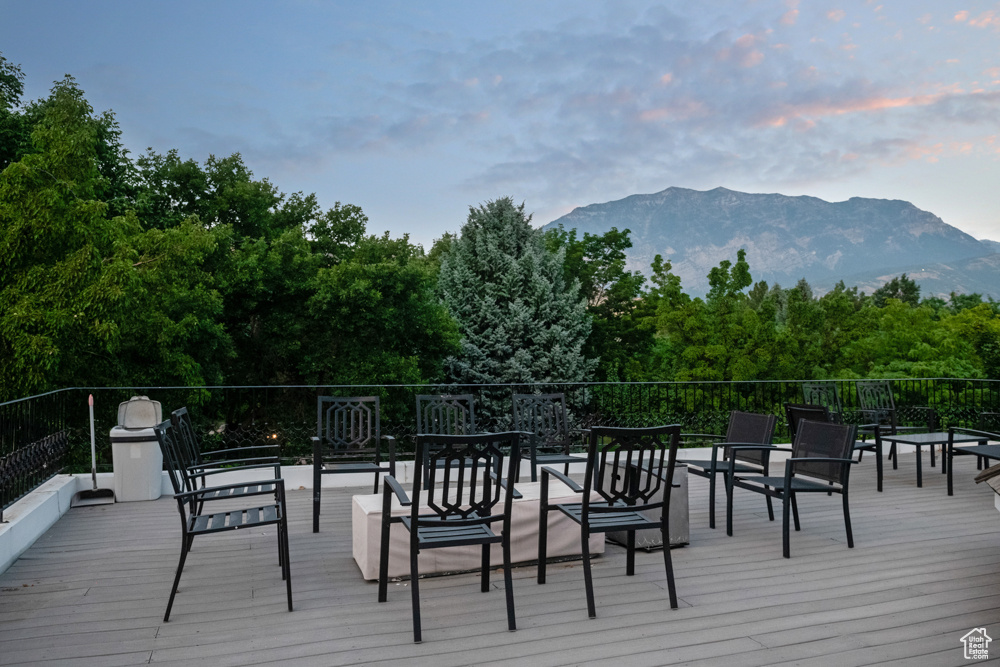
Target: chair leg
x,y
669,565
185,547
588,580
730,490
847,521
485,570
543,529
711,499
786,500
317,494
415,592
287,570
893,457
630,554
878,464
770,507
795,510
383,561
508,584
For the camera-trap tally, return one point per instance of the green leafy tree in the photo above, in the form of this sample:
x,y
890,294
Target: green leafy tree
x,y
901,288
519,319
66,268
622,333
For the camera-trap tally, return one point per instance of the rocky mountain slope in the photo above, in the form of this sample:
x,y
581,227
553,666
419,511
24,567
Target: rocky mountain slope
x,y
861,241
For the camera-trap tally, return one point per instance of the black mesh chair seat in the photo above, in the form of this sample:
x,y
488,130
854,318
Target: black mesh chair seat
x,y
820,463
745,428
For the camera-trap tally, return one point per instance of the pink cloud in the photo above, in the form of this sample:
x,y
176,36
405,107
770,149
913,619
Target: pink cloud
x,y
831,108
789,17
962,16
835,15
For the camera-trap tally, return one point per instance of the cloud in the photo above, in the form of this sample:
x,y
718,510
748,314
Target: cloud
x,y
835,15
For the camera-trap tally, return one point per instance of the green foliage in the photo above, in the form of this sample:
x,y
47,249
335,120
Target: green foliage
x,y
900,288
519,319
622,331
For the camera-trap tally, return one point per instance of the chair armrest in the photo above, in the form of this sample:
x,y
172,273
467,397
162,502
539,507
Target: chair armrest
x,y
987,435
389,483
546,471
818,459
250,448
202,471
687,437
278,483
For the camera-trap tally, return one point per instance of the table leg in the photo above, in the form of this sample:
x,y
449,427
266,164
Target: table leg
x,y
951,466
920,478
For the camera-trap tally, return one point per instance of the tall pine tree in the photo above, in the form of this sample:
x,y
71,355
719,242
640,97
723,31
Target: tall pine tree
x,y
520,321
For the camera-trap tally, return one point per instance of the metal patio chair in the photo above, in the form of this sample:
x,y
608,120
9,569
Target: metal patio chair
x,y
544,417
878,406
631,471
820,463
348,440
747,428
459,504
268,508
796,412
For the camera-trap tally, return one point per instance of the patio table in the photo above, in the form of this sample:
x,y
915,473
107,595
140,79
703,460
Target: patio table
x,y
919,440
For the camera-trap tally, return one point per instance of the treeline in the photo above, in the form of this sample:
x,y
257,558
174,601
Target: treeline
x,y
161,270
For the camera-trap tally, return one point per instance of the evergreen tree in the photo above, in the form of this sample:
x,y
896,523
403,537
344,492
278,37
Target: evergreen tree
x,y
519,319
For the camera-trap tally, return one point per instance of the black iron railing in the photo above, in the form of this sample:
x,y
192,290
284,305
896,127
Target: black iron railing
x,y
44,434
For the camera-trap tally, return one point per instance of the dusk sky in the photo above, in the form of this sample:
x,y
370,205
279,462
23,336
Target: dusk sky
x,y
416,110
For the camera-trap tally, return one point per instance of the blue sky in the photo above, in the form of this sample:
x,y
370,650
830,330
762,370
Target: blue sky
x,y
417,110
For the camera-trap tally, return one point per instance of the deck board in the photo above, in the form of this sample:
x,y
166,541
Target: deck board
x,y
925,570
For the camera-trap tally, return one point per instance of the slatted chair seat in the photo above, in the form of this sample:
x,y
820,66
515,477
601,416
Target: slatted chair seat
x,y
629,472
249,517
460,511
349,440
193,497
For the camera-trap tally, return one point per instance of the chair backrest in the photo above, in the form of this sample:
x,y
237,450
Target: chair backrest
x,y
349,428
459,475
796,412
823,440
825,394
750,428
544,416
617,460
446,414
189,449
989,421
166,435
876,401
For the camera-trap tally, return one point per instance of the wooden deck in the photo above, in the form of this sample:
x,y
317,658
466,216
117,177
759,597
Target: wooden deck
x,y
925,571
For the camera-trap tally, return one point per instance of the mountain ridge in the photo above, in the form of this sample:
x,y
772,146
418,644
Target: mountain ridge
x,y
792,237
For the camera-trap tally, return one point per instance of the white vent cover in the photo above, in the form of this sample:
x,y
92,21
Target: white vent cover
x,y
139,412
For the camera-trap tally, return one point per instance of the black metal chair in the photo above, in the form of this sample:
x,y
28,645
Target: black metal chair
x,y
820,463
544,417
796,412
461,490
747,428
826,395
878,406
199,465
631,472
348,440
191,497
446,414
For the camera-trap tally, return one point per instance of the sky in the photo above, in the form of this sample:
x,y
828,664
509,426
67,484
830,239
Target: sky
x,y
417,110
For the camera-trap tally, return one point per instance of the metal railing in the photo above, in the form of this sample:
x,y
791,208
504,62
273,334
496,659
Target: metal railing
x,y
42,435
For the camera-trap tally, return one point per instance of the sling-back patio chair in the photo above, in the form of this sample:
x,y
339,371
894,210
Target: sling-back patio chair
x,y
458,500
629,472
796,412
820,463
267,508
349,440
745,428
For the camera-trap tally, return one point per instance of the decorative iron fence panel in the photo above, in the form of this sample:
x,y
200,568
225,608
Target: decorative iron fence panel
x,y
44,434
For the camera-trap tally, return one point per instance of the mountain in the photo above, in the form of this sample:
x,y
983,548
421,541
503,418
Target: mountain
x,y
861,241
